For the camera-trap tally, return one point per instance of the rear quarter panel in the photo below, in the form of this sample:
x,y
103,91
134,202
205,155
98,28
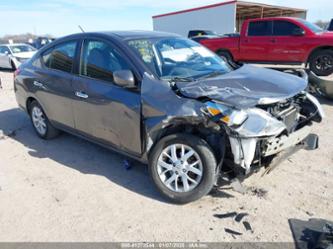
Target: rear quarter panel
x,y
230,44
23,88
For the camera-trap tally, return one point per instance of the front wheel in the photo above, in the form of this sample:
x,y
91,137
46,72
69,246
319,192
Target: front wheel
x,y
182,167
321,63
226,56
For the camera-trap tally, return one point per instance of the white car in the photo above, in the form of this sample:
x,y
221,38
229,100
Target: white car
x,y
12,55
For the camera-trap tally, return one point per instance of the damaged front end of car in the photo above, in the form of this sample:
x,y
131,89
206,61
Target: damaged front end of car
x,y
269,130
250,117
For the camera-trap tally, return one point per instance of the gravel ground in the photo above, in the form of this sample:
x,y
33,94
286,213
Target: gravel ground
x,y
68,189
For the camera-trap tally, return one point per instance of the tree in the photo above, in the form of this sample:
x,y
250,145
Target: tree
x,y
322,24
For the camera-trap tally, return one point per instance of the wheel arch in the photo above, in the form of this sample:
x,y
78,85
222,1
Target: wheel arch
x,y
224,50
29,100
313,51
215,139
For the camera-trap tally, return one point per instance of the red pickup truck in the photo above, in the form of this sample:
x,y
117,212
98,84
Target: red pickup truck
x,y
278,40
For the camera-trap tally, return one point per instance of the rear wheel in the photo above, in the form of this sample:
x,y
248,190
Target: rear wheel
x,y
40,122
182,167
321,62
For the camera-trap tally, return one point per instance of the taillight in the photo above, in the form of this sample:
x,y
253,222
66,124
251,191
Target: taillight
x,y
17,72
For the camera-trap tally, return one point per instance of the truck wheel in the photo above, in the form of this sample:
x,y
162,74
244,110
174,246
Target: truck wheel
x,y
182,167
225,56
40,122
321,62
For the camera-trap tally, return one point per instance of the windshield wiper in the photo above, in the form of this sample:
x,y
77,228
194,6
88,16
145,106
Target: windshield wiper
x,y
181,79
212,74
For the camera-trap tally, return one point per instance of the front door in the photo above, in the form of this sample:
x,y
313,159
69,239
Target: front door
x,y
103,110
287,43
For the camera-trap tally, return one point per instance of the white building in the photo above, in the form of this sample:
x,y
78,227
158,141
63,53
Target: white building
x,y
223,18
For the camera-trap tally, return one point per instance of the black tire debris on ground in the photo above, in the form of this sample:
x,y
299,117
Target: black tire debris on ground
x,y
240,216
226,215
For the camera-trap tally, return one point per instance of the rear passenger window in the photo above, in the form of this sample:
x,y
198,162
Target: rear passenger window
x,y
284,28
99,60
61,57
260,28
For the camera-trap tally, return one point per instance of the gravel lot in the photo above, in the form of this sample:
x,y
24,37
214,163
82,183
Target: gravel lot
x,y
68,189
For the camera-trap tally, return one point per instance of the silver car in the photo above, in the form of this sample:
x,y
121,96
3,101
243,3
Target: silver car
x,y
12,55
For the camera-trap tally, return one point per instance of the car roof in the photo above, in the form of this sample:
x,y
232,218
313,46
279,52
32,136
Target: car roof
x,y
125,35
122,35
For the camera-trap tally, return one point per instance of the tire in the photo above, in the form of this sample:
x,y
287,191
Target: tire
x,y
38,116
206,164
321,63
226,56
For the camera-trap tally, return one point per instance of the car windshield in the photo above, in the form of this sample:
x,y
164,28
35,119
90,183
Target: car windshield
x,y
178,58
313,27
21,48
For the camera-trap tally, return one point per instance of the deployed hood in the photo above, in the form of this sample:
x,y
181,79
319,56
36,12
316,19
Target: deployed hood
x,y
24,55
246,87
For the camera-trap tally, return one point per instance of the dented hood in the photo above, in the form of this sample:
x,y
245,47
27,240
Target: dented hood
x,y
246,87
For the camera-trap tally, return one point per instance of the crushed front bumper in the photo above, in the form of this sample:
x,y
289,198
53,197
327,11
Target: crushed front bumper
x,y
245,149
310,142
276,145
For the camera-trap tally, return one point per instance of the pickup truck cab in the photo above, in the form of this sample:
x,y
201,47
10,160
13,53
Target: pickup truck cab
x,y
278,40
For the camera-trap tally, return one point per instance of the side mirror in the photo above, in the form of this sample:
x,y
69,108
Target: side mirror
x,y
124,78
6,53
298,32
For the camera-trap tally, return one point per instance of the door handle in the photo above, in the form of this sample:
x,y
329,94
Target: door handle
x,y
81,95
273,41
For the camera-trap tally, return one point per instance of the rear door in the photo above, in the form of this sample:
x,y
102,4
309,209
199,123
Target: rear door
x,y
104,111
254,45
287,43
52,82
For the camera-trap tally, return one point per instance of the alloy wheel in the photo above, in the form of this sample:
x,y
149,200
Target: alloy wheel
x,y
324,63
38,120
180,168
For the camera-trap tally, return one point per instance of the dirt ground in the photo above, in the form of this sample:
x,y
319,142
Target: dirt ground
x,y
68,189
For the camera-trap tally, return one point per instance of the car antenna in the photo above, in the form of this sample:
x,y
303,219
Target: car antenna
x,y
81,28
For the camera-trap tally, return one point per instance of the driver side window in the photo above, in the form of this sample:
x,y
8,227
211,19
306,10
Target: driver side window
x,y
285,28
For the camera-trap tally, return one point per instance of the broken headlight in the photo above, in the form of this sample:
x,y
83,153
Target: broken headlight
x,y
253,122
260,124
225,114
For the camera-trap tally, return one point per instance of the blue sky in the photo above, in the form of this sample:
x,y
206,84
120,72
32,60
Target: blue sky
x,y
61,17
